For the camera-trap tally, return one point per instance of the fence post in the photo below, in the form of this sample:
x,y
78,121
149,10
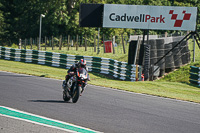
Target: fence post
x,y
112,44
68,42
52,42
25,43
94,42
76,42
123,44
45,43
104,43
85,42
37,43
31,43
98,49
20,43
60,42
38,48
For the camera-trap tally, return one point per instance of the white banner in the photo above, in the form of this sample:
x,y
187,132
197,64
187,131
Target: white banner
x,y
149,17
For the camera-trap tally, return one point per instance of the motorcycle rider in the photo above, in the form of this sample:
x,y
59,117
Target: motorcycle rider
x,y
72,70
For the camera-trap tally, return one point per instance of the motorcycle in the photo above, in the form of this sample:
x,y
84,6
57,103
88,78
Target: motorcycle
x,y
75,85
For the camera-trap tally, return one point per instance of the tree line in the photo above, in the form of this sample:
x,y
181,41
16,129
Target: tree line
x,y
21,18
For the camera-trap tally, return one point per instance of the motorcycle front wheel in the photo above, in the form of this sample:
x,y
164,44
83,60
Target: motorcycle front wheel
x,y
76,94
66,97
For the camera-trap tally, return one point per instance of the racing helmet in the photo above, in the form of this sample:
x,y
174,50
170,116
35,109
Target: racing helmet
x,y
82,62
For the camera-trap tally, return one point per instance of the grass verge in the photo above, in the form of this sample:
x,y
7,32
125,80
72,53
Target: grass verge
x,y
180,75
175,90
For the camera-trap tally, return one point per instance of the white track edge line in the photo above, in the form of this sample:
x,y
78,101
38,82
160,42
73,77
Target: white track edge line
x,y
48,118
37,123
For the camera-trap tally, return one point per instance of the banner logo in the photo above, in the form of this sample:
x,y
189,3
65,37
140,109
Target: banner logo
x,y
137,18
178,22
149,17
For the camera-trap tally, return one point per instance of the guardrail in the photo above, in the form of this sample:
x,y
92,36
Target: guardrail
x,y
195,75
119,70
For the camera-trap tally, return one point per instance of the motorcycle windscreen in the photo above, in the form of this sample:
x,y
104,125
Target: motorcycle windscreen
x,y
82,72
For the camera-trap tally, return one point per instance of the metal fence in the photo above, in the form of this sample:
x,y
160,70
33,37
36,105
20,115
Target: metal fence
x,y
120,43
117,69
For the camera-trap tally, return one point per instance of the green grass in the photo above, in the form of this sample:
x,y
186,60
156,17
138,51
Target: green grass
x,y
176,90
180,75
90,52
119,54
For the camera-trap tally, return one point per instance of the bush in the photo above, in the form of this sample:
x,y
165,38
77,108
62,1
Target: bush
x,y
14,45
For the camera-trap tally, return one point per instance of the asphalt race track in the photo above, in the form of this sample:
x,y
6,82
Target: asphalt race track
x,y
101,109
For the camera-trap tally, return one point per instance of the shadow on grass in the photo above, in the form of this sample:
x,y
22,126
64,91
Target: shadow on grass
x,y
193,85
105,76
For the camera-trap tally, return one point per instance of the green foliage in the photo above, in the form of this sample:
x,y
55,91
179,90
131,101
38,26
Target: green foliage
x,y
2,24
14,46
20,18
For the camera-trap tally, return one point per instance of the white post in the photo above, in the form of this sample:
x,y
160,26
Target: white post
x,y
41,15
20,43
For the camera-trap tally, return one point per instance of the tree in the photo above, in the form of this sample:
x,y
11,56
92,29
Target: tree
x,y
20,18
2,24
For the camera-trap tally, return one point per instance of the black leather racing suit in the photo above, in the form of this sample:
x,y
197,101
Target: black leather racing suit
x,y
72,71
